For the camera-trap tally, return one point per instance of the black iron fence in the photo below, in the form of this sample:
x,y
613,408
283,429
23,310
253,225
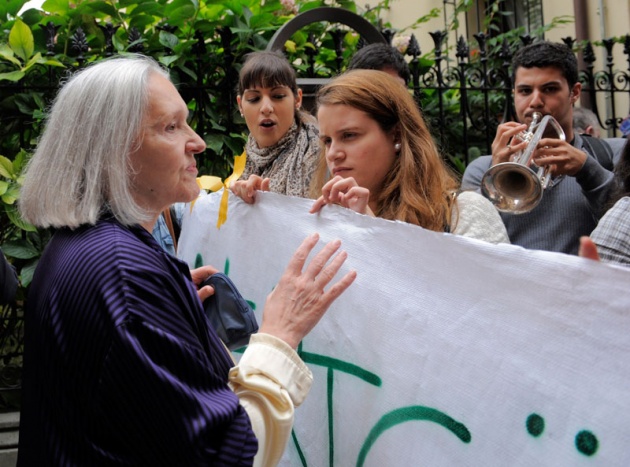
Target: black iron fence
x,y
464,93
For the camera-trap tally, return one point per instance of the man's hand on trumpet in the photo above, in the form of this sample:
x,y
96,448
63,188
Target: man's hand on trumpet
x,y
560,156
505,145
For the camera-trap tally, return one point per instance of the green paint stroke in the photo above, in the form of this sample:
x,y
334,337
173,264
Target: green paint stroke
x,y
340,365
198,261
407,414
299,450
331,431
333,364
535,425
586,443
226,268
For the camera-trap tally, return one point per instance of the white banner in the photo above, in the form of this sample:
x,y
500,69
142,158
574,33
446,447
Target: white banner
x,y
446,351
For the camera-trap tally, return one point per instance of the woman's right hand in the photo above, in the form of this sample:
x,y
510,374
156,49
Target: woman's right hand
x,y
299,300
345,192
246,189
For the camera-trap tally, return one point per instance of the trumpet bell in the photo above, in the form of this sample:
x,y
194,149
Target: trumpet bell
x,y
512,187
517,186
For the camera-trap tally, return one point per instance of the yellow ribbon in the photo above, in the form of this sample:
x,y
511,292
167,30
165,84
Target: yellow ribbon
x,y
212,183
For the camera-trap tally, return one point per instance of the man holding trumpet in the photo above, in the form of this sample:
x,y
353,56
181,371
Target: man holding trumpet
x,y
545,78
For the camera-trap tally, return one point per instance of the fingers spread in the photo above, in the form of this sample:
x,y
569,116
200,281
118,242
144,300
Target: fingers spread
x,y
318,263
299,300
299,257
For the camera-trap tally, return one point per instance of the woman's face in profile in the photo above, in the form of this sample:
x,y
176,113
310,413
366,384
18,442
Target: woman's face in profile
x,y
355,145
164,167
269,112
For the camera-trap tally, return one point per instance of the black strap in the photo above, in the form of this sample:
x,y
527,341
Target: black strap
x,y
177,228
601,150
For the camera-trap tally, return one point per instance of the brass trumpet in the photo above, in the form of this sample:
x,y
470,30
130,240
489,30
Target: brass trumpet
x,y
517,186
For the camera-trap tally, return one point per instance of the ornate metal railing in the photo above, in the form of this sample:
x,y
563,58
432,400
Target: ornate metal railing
x,y
464,93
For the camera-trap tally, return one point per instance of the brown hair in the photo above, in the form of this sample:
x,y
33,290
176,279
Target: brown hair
x,y
266,70
419,187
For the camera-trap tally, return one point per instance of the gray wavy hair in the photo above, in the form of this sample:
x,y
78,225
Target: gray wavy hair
x,y
81,168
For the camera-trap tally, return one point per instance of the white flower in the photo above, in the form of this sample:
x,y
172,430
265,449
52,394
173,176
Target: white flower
x,y
401,43
289,5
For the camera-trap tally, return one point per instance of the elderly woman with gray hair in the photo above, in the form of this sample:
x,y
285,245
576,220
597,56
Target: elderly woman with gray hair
x,y
121,366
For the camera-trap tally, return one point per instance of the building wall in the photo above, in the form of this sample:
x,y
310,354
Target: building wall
x,y
613,22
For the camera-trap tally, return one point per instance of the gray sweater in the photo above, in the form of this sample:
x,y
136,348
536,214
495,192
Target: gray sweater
x,y
568,210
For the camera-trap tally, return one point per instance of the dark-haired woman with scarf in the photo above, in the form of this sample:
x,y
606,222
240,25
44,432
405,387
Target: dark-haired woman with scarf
x,y
283,144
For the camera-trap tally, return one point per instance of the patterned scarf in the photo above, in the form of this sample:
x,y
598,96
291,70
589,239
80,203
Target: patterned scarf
x,y
289,163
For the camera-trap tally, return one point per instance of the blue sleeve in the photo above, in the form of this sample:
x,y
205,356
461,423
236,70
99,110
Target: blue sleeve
x,y
596,183
474,173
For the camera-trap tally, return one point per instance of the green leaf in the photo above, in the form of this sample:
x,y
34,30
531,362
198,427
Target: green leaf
x,y
16,219
235,146
10,7
141,22
52,62
247,14
150,7
20,161
348,5
168,39
4,185
290,46
212,11
102,7
182,15
168,59
21,40
35,59
32,16
118,44
12,76
214,142
26,274
309,6
188,71
261,21
24,103
6,167
7,54
11,195
61,7
20,249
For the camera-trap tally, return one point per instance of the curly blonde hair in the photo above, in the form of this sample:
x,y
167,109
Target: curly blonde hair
x,y
419,187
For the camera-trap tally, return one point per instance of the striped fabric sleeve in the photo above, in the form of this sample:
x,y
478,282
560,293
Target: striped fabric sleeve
x,y
173,408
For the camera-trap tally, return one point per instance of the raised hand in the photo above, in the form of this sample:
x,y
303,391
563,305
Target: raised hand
x,y
299,300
